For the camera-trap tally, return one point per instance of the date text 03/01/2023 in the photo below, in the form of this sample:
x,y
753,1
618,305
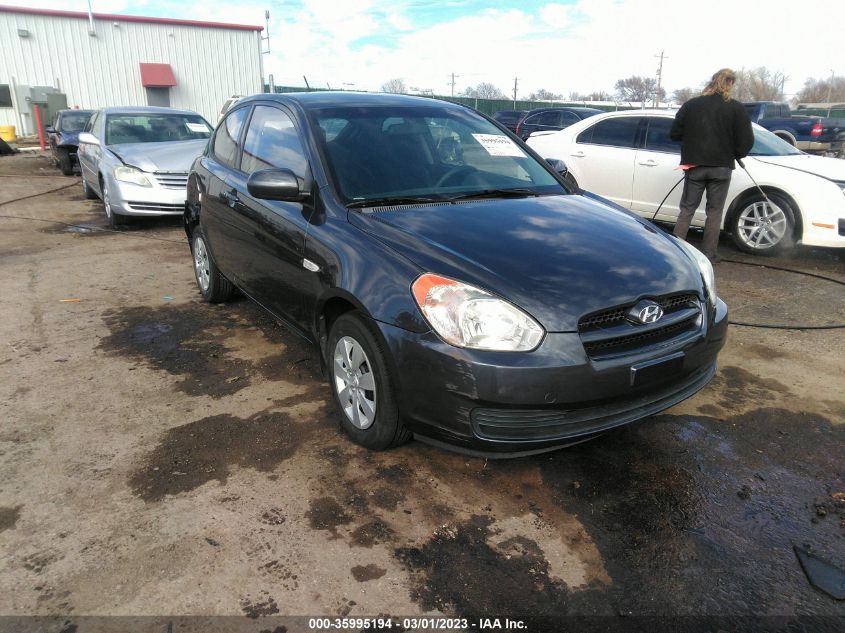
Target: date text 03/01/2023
x,y
415,624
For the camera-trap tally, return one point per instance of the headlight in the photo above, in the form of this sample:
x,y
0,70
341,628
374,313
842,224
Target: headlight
x,y
133,175
466,316
706,269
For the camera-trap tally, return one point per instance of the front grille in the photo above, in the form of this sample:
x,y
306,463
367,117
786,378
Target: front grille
x,y
172,179
616,316
608,333
633,342
156,207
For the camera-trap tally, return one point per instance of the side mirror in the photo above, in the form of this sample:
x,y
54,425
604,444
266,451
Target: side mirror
x,y
88,138
50,129
558,165
275,184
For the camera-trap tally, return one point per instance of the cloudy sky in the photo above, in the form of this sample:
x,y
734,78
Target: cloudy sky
x,y
566,46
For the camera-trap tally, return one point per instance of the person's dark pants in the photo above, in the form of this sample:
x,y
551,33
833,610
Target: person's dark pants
x,y
716,181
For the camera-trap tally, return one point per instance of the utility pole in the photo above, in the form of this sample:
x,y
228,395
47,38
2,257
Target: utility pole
x,y
515,83
659,80
829,91
453,83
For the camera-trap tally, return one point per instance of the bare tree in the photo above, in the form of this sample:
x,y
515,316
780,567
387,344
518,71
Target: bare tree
x,y
682,95
759,84
485,91
640,89
823,90
596,95
543,95
396,86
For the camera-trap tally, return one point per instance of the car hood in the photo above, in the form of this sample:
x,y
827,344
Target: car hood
x,y
556,257
832,168
170,156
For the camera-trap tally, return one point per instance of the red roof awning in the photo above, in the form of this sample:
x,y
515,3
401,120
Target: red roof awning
x,y
157,76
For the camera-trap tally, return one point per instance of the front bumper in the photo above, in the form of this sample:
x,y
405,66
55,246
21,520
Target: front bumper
x,y
511,404
129,199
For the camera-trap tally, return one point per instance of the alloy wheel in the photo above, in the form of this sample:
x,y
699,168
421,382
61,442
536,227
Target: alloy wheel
x,y
201,264
762,225
354,382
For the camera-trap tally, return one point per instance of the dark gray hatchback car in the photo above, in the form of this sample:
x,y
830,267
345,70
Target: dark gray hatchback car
x,y
456,290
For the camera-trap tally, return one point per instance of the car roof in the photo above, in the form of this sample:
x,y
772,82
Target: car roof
x,y
569,108
76,110
329,98
145,110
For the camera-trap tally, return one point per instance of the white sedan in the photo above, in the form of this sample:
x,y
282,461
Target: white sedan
x,y
629,158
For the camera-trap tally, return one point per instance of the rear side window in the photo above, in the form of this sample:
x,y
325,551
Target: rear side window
x,y
547,118
568,118
657,137
621,132
272,142
226,138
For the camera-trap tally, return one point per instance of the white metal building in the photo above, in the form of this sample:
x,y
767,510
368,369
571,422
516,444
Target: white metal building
x,y
100,60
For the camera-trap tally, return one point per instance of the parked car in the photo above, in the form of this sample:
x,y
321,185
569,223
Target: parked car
x,y
63,136
465,297
509,118
813,134
552,119
136,159
629,158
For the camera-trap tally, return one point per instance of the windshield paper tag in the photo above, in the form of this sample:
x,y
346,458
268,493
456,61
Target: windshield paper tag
x,y
498,145
197,127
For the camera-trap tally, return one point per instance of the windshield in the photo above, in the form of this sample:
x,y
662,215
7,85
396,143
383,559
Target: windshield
x,y
767,144
383,152
155,128
74,121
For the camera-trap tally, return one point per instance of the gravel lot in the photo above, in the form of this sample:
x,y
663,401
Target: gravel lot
x,y
160,456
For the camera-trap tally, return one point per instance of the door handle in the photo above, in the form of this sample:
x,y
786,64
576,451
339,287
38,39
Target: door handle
x,y
231,197
578,154
649,163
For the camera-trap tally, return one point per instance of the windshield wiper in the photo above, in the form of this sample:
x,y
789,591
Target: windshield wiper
x,y
495,193
387,201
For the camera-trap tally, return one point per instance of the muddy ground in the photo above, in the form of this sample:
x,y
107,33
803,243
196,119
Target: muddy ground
x,y
160,456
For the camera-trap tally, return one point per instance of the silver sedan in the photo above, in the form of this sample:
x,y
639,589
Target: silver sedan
x,y
136,159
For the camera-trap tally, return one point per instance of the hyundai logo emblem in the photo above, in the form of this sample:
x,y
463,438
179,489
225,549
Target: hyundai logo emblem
x,y
645,312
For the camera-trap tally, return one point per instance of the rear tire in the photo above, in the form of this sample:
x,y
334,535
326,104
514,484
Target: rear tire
x,y
759,228
213,286
361,384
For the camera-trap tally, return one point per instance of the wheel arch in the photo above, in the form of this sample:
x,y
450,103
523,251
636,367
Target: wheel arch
x,y
329,310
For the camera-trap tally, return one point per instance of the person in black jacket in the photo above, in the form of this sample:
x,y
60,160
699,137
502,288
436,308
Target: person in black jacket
x,y
714,130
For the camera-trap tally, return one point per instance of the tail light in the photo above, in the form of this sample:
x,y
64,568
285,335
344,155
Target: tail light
x,y
518,128
816,130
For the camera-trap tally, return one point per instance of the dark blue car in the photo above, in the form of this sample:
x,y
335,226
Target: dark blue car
x,y
63,136
456,290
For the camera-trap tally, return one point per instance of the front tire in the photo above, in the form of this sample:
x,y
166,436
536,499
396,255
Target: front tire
x,y
362,387
761,228
65,163
213,286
